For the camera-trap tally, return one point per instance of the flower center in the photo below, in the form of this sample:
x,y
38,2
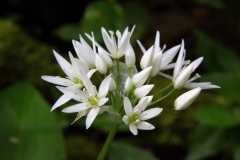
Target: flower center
x,y
133,118
93,100
77,81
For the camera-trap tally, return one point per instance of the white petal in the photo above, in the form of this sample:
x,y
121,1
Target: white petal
x,y
65,65
130,58
179,62
102,101
202,85
104,55
143,90
108,42
112,85
133,129
90,73
104,87
124,46
196,63
156,65
140,78
57,80
128,85
128,107
75,94
141,47
183,77
149,98
76,108
156,44
91,116
144,125
150,113
141,106
87,83
63,99
147,58
168,56
125,119
81,65
186,99
100,65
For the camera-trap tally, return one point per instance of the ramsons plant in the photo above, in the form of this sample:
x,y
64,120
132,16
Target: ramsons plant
x,y
124,90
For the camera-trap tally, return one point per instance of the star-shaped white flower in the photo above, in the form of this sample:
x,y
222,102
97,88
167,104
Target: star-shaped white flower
x,y
91,100
182,72
156,58
135,117
73,78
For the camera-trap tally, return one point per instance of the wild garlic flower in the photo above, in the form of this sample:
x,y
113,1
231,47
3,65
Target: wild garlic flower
x,y
117,46
156,58
73,79
91,99
135,117
182,72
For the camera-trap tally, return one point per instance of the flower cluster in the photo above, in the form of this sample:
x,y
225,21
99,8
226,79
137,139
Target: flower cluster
x,y
124,90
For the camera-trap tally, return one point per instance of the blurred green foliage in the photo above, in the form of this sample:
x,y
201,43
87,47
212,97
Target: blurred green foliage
x,y
23,57
28,129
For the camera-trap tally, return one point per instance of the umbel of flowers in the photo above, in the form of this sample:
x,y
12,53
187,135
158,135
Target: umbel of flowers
x,y
123,91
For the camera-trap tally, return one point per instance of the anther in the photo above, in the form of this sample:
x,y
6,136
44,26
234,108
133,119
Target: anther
x,y
111,32
118,33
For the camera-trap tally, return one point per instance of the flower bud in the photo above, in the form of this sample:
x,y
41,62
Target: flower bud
x,y
105,57
143,90
147,58
140,78
186,99
156,64
100,65
128,85
112,85
130,57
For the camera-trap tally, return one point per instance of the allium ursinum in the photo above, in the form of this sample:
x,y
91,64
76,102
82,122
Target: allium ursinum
x,y
117,46
155,57
92,101
73,79
182,72
135,117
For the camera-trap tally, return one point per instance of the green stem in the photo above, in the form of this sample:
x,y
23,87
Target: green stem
x,y
149,79
173,109
162,97
108,141
167,87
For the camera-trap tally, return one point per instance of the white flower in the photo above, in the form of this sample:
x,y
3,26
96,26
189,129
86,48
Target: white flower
x,y
85,52
155,57
100,65
135,117
73,79
186,99
140,78
182,72
117,48
90,99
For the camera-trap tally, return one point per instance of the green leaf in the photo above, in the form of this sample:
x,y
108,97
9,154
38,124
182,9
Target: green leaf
x,y
228,83
119,151
217,116
217,57
207,141
236,153
28,129
102,14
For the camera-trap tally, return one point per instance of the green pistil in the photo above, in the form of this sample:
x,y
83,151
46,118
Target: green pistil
x,y
77,81
133,118
93,100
